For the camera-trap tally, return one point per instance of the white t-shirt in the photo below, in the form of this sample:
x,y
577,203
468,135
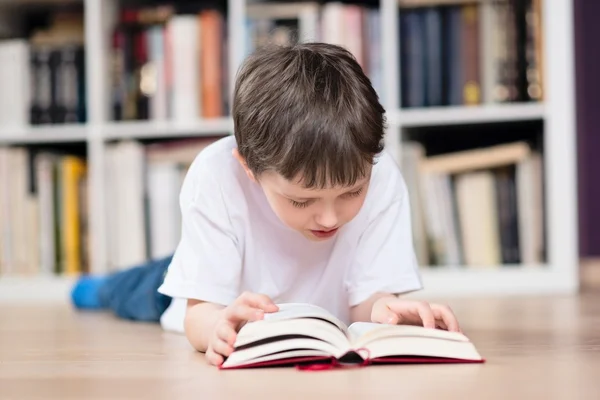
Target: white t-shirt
x,y
232,242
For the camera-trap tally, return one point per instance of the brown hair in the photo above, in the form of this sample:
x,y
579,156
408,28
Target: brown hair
x,y
307,111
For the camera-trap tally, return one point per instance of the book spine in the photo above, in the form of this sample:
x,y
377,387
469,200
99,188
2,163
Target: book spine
x,y
142,89
73,170
119,85
453,59
211,26
433,35
184,30
470,54
42,85
413,58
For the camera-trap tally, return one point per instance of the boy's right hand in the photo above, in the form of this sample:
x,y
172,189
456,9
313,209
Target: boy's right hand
x,y
246,308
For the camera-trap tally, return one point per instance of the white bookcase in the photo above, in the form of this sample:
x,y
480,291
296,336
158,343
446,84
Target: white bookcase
x,y
560,275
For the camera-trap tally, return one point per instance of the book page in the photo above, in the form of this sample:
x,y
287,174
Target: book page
x,y
282,350
282,333
303,310
363,332
360,329
383,340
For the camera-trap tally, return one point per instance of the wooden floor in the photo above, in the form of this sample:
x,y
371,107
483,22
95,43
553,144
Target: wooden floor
x,y
546,348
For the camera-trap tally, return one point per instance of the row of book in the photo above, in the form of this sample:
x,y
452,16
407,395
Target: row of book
x,y
473,208
174,66
43,212
43,76
478,208
485,52
354,26
143,182
473,53
44,209
169,66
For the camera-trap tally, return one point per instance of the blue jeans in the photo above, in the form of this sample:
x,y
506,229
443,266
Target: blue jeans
x,y
132,293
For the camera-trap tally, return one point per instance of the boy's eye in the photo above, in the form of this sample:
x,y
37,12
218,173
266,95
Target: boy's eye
x,y
355,193
298,204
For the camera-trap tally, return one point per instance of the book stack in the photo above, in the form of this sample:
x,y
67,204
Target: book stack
x,y
477,208
43,212
43,74
142,194
473,53
354,26
169,65
58,72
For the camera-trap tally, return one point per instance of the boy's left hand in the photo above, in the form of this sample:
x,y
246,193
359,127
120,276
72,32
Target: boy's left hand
x,y
393,310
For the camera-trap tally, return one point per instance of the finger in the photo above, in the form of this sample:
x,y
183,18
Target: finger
x,y
257,300
421,310
384,315
222,348
214,358
242,312
440,325
444,313
426,314
226,333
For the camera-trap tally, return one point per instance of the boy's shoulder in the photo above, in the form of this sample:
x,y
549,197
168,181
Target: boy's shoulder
x,y
387,178
215,169
216,159
217,151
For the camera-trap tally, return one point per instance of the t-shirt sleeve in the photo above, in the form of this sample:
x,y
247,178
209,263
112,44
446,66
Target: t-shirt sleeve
x,y
385,259
207,264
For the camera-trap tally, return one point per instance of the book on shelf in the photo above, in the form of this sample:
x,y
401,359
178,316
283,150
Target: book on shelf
x,y
481,207
169,65
43,212
306,334
43,74
143,183
469,53
353,26
15,82
57,62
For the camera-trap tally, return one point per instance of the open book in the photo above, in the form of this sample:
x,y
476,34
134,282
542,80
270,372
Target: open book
x,y
302,333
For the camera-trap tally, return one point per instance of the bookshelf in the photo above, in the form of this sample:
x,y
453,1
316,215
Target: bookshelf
x,y
149,130
556,274
450,115
43,134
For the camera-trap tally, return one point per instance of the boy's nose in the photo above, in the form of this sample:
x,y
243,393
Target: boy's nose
x,y
327,219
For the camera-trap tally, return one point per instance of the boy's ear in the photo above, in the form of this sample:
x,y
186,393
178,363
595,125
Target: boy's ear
x,y
243,163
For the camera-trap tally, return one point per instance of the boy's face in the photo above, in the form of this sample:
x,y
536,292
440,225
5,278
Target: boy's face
x,y
315,213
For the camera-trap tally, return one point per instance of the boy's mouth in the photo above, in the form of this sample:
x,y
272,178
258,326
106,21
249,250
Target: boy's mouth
x,y
324,234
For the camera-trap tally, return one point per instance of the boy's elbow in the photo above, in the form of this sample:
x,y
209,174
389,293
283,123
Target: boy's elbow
x,y
192,326
192,334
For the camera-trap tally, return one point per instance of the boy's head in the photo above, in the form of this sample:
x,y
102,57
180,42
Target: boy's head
x,y
308,125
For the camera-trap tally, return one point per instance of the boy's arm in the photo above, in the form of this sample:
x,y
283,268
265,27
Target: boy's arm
x,y
200,321
212,328
362,311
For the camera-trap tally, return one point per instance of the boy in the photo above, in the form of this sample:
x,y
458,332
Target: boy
x,y
301,205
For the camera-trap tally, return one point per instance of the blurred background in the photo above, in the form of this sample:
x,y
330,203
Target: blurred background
x,y
491,112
